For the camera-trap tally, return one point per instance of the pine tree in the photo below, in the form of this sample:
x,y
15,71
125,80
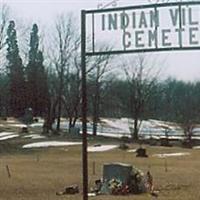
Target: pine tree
x,y
37,89
15,73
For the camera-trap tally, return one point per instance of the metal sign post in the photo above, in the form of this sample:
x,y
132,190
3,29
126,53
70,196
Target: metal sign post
x,y
84,108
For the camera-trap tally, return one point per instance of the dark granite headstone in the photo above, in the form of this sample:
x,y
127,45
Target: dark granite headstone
x,y
141,152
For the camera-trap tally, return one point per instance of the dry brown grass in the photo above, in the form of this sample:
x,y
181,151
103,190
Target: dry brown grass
x,y
32,179
39,174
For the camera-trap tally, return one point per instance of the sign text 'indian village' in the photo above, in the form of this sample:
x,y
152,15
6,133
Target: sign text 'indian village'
x,y
153,27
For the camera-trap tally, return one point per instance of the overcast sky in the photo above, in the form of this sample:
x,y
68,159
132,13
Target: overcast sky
x,y
182,65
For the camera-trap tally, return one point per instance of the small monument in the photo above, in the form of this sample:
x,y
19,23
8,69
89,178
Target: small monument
x,y
28,116
27,119
141,152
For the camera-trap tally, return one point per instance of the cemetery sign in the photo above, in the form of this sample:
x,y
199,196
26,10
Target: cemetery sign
x,y
145,28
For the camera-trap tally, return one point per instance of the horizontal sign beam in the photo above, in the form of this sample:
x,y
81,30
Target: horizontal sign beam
x,y
158,5
142,51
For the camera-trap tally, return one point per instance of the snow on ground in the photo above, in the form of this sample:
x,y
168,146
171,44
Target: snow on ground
x,y
112,135
132,150
112,127
6,133
101,148
164,155
34,136
15,123
18,125
50,144
9,137
11,121
37,124
121,124
119,127
196,137
196,147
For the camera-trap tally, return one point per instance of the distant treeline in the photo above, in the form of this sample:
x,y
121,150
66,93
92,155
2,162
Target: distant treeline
x,y
48,80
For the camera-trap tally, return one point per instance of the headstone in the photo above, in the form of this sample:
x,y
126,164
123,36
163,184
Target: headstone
x,y
119,178
141,152
28,116
24,129
115,171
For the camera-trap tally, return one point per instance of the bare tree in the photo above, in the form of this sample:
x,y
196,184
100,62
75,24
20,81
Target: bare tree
x,y
4,19
65,42
72,90
141,75
51,107
187,108
97,73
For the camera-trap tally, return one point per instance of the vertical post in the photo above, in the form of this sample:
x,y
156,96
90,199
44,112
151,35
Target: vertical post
x,y
84,108
156,27
93,168
180,27
8,171
93,30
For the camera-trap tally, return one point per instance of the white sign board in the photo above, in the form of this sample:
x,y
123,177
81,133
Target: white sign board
x,y
148,27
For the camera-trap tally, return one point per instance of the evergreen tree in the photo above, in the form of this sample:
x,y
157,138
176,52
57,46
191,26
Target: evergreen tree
x,y
15,72
37,89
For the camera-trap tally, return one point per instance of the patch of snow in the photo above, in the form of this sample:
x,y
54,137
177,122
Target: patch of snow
x,y
50,144
1,125
40,120
101,148
196,137
6,133
164,155
132,150
38,124
155,137
112,135
9,137
196,147
18,125
176,137
118,127
120,124
34,136
11,121
92,194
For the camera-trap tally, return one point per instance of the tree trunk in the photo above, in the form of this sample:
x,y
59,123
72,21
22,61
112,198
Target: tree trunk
x,y
60,99
135,129
75,119
94,127
96,108
49,118
94,120
59,115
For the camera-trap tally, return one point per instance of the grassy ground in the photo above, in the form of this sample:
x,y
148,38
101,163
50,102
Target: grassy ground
x,y
39,174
